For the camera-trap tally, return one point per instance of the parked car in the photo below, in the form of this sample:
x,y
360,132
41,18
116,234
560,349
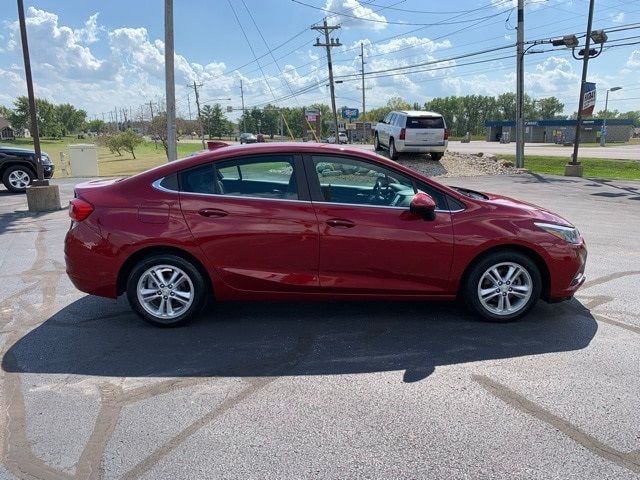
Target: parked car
x,y
18,168
248,138
315,222
412,131
342,138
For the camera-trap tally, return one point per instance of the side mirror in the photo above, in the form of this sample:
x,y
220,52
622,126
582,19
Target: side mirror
x,y
423,205
381,120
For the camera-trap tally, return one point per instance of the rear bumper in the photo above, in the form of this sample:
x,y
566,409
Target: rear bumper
x,y
89,266
402,146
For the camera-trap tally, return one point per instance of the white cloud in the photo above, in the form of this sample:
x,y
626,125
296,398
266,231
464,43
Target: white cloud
x,y
617,18
634,59
91,30
366,17
53,43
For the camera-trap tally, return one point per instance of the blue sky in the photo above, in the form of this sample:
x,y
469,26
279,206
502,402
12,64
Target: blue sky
x,y
103,55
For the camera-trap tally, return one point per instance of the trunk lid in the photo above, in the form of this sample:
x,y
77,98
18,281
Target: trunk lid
x,y
425,130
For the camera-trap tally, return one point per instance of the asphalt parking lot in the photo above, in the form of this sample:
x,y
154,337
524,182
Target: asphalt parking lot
x,y
325,390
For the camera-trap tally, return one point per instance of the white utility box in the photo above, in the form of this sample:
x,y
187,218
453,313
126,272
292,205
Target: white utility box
x,y
84,160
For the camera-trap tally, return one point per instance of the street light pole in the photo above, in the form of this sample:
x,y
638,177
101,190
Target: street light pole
x,y
574,168
603,133
32,99
520,88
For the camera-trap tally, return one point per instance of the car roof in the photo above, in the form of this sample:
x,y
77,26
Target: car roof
x,y
419,113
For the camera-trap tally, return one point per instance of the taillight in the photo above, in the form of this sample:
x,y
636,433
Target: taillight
x,y
403,133
446,134
79,209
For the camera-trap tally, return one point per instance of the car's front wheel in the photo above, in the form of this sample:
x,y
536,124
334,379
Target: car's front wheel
x,y
436,156
17,178
166,290
376,143
502,286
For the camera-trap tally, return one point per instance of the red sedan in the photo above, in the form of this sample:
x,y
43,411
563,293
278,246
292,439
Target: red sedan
x,y
312,221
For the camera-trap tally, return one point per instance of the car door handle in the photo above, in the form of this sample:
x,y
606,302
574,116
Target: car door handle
x,y
340,222
212,212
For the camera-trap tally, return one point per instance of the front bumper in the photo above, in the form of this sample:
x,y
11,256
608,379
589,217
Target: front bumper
x,y
48,170
567,275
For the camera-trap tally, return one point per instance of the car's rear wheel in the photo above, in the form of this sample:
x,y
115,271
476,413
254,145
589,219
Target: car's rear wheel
x,y
17,178
166,290
436,156
502,286
393,153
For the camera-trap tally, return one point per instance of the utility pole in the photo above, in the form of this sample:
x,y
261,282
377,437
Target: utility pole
x,y
362,62
170,84
151,108
195,89
520,87
574,168
32,99
244,117
329,43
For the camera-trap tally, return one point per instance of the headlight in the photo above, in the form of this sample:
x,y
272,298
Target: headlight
x,y
568,234
45,159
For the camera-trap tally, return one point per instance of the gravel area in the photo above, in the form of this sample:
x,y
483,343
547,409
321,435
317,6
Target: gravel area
x,y
455,164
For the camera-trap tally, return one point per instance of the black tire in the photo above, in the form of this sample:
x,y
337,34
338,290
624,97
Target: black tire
x,y
376,143
17,175
393,153
198,287
470,288
436,156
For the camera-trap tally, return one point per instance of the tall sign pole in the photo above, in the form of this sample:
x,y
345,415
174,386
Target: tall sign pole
x,y
574,168
172,147
520,88
329,43
32,99
364,131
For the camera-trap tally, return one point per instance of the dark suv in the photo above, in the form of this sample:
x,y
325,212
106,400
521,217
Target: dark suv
x,y
18,168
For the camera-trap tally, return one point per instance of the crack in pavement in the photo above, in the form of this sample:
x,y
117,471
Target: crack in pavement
x,y
519,402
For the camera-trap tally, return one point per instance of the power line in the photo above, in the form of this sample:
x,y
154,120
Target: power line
x,y
390,22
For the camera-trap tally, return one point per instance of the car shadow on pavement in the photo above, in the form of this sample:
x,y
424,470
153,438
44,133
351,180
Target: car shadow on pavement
x,y
273,339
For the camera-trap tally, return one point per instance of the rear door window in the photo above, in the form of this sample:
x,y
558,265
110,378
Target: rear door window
x,y
425,122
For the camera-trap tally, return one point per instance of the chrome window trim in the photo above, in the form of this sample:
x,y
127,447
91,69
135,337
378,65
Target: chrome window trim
x,y
156,185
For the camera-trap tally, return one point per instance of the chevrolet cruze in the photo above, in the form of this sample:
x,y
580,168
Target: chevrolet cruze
x,y
317,222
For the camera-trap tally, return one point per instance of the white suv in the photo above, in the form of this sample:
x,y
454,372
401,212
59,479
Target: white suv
x,y
412,131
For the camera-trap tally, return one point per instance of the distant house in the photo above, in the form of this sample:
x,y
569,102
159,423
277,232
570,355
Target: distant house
x,y
6,130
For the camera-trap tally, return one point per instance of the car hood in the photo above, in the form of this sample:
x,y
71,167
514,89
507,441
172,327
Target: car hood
x,y
518,207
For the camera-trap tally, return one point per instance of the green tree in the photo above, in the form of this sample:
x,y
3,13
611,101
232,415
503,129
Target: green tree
x,y
5,112
71,119
550,107
97,126
48,123
129,140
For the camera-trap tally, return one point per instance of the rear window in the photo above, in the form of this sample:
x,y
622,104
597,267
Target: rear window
x,y
425,122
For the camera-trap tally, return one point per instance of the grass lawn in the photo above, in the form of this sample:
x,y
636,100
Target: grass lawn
x,y
593,167
110,164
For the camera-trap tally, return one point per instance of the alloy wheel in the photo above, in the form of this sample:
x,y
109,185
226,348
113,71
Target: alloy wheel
x,y
505,288
19,179
165,291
